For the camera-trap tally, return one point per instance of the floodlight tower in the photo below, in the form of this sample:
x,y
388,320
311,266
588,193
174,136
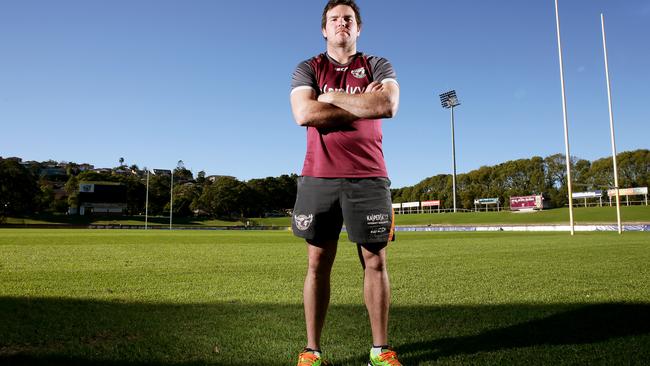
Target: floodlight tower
x,y
449,100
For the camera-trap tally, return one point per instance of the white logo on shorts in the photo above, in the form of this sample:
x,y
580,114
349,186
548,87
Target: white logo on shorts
x,y
377,219
303,221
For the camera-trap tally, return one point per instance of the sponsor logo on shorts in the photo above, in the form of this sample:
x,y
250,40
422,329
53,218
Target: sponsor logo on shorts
x,y
379,230
376,219
359,73
303,222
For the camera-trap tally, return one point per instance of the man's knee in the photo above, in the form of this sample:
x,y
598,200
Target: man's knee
x,y
376,263
321,256
373,257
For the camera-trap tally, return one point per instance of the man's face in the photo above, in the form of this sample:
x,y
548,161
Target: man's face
x,y
341,26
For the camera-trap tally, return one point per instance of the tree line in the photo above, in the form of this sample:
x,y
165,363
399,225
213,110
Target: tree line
x,y
536,175
26,189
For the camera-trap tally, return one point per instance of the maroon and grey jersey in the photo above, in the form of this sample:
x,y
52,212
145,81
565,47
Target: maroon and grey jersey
x,y
350,151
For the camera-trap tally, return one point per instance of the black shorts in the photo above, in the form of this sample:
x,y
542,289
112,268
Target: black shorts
x,y
323,204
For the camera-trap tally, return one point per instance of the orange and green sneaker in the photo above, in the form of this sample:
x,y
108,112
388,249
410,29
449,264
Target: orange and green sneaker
x,y
308,358
387,357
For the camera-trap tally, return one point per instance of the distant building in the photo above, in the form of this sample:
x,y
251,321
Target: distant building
x,y
102,198
212,178
162,172
121,171
84,167
52,171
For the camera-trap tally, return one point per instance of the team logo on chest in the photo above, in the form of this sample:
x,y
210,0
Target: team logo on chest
x,y
359,73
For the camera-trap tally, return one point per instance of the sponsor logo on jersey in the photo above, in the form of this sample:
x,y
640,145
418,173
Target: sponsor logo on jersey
x,y
379,230
359,73
348,89
341,68
303,222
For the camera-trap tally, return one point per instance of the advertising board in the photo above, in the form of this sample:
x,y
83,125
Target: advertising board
x,y
486,201
628,191
431,203
526,202
592,194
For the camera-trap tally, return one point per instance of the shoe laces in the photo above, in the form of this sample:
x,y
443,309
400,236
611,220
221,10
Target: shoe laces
x,y
390,357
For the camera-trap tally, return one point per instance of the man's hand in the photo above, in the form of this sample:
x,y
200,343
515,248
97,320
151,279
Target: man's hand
x,y
375,86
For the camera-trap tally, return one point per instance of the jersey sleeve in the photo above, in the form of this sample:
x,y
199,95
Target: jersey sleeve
x,y
382,70
303,78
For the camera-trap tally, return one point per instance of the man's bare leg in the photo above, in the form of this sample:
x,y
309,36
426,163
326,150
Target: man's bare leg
x,y
376,289
316,293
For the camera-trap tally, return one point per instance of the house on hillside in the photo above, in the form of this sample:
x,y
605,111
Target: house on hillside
x,y
212,178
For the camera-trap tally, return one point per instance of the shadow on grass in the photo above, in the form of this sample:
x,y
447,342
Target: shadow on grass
x,y
42,331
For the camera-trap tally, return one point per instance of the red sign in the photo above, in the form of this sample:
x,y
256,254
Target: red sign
x,y
523,202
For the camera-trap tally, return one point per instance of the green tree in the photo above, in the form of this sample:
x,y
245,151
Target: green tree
x,y
159,193
19,191
185,197
225,198
72,189
135,193
200,178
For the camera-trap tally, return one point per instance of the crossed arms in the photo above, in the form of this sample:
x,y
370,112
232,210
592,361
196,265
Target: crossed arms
x,y
380,100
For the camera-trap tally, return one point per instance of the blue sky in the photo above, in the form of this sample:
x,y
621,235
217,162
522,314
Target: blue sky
x,y
207,82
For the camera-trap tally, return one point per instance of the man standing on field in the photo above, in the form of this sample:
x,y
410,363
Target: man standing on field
x,y
340,97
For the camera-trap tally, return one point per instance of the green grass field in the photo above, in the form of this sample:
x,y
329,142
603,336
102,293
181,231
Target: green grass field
x,y
114,297
582,215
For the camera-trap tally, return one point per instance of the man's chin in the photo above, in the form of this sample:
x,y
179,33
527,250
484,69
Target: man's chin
x,y
343,39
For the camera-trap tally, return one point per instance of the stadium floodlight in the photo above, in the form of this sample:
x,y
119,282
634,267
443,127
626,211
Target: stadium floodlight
x,y
449,100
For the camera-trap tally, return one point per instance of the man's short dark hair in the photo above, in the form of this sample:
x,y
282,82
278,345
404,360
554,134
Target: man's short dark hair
x,y
334,3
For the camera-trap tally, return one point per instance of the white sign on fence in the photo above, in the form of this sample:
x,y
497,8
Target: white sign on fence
x,y
486,201
430,203
593,194
628,191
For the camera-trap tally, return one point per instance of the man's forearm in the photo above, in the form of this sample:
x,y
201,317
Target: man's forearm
x,y
367,105
325,115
